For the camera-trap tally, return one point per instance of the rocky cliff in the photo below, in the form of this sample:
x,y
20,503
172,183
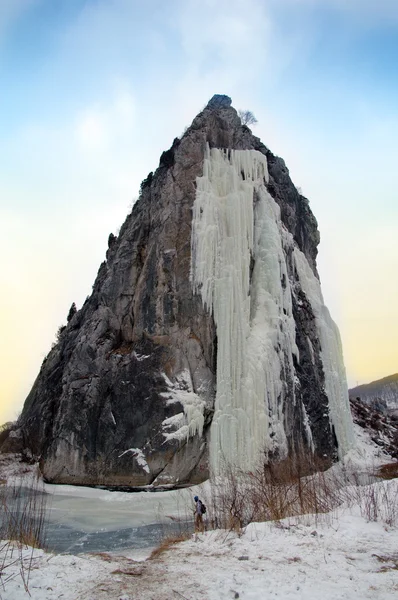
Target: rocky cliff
x,y
206,322
381,428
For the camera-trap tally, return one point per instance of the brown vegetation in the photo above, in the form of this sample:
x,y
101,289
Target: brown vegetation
x,y
272,492
168,543
23,519
389,471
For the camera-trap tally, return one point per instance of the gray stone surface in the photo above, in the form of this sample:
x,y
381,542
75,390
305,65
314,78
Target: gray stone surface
x,y
99,390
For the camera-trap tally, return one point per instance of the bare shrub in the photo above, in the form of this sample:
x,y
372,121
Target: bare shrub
x,y
5,431
295,486
24,511
23,521
299,485
379,502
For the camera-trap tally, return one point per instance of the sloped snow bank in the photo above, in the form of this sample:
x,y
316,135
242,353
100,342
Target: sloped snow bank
x,y
338,555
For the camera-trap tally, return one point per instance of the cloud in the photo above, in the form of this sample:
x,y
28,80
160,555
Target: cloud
x,y
224,48
10,12
382,10
64,186
98,127
120,85
233,33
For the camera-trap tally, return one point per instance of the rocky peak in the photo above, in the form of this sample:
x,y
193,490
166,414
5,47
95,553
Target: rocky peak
x,y
219,101
128,394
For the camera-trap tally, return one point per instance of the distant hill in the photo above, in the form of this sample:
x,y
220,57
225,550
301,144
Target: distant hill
x,y
383,392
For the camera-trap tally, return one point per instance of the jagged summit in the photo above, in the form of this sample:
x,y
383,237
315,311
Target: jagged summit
x,y
205,336
219,101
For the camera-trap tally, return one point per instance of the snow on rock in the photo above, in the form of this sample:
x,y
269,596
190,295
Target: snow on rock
x,y
382,392
378,426
332,356
190,422
139,457
141,357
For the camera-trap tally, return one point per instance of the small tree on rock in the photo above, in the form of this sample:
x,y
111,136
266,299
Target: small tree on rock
x,y
247,117
72,312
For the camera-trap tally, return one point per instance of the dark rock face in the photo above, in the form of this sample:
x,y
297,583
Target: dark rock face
x,y
382,428
219,101
312,393
142,350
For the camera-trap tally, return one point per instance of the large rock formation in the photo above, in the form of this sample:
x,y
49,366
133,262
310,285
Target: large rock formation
x,y
205,321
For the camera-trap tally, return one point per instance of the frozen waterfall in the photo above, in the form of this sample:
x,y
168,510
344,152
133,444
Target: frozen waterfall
x,y
238,266
332,356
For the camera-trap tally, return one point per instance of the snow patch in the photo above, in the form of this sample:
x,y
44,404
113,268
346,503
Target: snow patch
x,y
139,457
191,421
337,555
141,357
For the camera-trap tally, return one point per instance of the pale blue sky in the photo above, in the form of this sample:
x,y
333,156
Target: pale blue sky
x,y
93,91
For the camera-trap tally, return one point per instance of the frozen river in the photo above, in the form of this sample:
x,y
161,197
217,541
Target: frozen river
x,y
84,519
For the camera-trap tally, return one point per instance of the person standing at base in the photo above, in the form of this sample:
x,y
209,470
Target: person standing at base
x,y
199,512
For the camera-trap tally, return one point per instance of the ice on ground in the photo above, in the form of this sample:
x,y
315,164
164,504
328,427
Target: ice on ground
x,y
337,555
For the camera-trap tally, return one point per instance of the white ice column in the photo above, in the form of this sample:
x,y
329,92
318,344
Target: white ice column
x,y
331,354
254,331
235,219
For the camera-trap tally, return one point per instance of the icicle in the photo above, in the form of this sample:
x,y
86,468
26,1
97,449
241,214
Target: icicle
x,y
332,356
253,331
235,218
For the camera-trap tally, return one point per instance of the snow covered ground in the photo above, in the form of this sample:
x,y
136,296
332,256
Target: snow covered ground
x,y
341,555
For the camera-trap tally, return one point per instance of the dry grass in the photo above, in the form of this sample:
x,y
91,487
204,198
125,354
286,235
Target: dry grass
x,y
296,487
272,492
168,543
23,514
23,519
390,562
378,502
389,471
103,556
